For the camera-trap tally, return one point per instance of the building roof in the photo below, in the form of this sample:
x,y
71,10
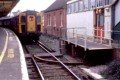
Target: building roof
x,y
58,4
6,6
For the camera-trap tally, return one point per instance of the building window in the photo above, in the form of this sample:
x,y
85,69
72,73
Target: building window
x,y
68,8
85,4
108,2
49,20
80,5
54,20
92,3
72,7
100,18
76,6
61,23
99,3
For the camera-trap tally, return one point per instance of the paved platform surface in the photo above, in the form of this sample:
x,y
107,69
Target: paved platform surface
x,y
89,46
12,61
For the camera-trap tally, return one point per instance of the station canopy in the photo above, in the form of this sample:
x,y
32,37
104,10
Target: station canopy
x,y
6,6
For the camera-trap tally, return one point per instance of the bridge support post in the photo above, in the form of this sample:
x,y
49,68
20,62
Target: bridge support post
x,y
62,47
73,51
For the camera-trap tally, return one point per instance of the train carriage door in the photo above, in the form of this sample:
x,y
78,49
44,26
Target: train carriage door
x,y
38,20
31,27
99,28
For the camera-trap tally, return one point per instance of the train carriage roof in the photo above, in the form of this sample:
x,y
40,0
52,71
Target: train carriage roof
x,y
8,17
6,6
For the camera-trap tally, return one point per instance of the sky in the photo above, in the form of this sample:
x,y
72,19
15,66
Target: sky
x,y
37,5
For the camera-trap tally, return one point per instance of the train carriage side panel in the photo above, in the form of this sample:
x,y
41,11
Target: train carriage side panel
x,y
14,24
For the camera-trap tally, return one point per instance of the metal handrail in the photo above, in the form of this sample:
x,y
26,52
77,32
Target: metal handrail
x,y
84,33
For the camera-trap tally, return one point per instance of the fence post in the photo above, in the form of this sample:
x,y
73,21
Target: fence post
x,y
73,33
110,38
85,34
68,35
76,38
93,35
101,32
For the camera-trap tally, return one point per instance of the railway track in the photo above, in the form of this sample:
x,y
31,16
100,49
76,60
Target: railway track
x,y
52,67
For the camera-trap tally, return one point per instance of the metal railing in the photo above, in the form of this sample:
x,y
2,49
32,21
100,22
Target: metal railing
x,y
87,35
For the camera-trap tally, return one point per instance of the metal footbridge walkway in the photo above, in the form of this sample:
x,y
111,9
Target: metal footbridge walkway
x,y
86,38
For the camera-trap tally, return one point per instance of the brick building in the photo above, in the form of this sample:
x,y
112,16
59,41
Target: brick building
x,y
55,18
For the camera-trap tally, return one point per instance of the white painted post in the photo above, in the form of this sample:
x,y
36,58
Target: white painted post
x,y
97,29
110,38
68,35
93,35
101,32
85,36
73,33
76,38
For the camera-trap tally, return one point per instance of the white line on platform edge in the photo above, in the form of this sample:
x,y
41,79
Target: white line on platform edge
x,y
23,62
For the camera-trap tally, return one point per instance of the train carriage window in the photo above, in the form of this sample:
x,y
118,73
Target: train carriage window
x,y
23,19
80,5
38,19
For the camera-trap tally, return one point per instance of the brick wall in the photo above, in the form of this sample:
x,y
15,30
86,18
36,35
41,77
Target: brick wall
x,y
52,29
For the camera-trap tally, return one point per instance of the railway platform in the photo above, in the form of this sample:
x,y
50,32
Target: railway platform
x,y
12,61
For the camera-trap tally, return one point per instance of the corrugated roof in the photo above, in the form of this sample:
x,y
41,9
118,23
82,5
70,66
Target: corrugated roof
x,y
58,4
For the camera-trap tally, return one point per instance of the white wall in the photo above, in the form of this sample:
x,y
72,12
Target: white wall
x,y
82,19
117,12
107,22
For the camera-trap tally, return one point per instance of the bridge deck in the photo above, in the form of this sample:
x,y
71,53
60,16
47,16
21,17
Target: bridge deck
x,y
89,45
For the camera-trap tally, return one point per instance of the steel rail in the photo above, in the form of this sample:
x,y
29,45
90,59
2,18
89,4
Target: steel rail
x,y
39,71
61,63
46,47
